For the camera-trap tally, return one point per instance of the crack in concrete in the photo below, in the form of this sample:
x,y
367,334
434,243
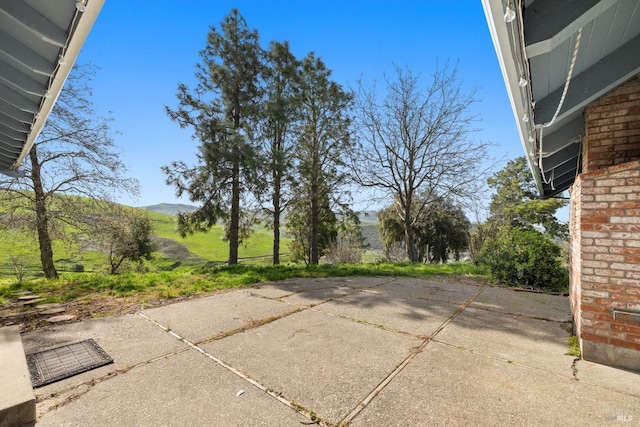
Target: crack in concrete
x,y
413,353
276,395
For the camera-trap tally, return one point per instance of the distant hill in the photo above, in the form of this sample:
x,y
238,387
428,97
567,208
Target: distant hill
x,y
169,208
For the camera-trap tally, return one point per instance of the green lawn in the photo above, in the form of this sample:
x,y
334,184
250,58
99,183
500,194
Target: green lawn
x,y
171,284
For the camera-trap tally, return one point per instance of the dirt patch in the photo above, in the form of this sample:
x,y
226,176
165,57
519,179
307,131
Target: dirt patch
x,y
175,250
87,307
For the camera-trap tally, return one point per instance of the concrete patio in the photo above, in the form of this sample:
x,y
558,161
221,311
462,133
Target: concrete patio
x,y
349,351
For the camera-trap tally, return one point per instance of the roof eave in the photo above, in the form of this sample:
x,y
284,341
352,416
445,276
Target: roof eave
x,y
74,45
494,12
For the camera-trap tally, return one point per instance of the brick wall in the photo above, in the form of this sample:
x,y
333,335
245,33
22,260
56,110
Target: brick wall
x,y
605,231
613,128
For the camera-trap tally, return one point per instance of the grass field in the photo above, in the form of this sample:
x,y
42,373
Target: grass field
x,y
172,284
90,295
19,249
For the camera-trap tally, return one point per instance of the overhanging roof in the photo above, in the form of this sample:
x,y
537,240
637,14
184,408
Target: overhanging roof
x,y
556,57
39,43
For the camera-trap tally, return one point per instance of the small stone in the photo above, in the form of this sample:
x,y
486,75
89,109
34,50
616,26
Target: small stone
x,y
52,311
61,318
21,293
32,301
28,297
49,305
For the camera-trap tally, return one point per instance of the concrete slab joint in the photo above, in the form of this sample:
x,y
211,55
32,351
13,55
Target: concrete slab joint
x,y
335,352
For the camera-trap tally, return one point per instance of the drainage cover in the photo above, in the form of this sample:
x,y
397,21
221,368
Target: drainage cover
x,y
62,362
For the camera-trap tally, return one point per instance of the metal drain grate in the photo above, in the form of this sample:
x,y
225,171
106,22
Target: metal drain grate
x,y
62,362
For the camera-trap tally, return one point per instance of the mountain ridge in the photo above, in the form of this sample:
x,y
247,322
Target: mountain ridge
x,y
172,209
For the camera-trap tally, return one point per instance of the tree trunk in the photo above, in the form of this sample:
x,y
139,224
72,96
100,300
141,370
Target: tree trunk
x,y
314,256
276,217
412,253
42,219
234,226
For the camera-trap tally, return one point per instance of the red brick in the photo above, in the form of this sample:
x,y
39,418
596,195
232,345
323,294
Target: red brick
x,y
625,283
611,334
627,266
625,250
624,219
608,242
595,308
633,291
609,227
613,99
595,123
594,338
626,189
606,213
627,204
599,219
594,249
610,197
606,286
604,317
626,298
633,259
615,113
628,329
633,306
610,182
593,150
610,257
609,272
597,264
633,338
595,324
623,235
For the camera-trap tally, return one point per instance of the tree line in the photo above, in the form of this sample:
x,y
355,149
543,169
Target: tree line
x,y
280,141
277,135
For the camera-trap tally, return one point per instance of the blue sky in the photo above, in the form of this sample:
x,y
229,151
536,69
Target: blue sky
x,y
144,48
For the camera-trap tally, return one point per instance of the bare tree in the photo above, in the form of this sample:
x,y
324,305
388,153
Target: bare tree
x,y
73,156
415,142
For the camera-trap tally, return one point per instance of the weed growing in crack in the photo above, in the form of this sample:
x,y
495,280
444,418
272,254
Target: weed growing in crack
x,y
574,347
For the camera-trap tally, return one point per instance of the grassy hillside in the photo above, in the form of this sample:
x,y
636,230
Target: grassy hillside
x,y
210,246
18,249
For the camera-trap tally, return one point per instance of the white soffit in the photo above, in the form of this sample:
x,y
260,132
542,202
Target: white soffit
x,y
39,43
592,44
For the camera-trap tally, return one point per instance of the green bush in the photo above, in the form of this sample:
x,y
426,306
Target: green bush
x,y
525,258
